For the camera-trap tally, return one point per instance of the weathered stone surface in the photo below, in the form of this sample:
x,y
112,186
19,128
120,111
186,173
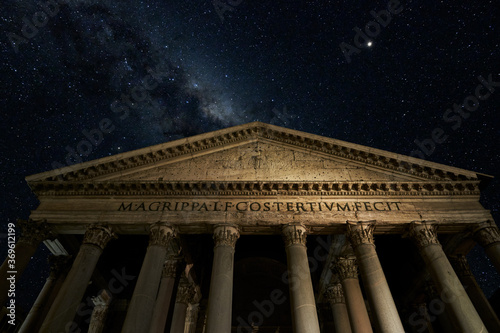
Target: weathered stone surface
x,y
257,176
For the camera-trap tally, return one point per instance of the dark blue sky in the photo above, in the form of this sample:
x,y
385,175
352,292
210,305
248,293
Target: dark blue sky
x,y
64,73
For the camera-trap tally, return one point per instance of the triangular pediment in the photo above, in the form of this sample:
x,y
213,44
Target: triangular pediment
x,y
256,152
264,160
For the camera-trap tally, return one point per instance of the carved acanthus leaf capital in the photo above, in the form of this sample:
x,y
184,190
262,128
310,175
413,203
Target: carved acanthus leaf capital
x,y
294,234
170,268
185,292
226,235
161,234
423,234
360,232
486,234
32,233
460,265
345,268
99,235
334,293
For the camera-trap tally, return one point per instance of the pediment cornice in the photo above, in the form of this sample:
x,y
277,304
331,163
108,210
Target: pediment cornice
x,y
93,170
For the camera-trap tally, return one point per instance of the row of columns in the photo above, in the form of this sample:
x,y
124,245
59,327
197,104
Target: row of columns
x,y
463,313
146,312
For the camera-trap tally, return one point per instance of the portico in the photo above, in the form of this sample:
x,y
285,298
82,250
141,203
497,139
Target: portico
x,y
257,228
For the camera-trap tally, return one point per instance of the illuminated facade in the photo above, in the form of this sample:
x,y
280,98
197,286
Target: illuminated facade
x,y
208,234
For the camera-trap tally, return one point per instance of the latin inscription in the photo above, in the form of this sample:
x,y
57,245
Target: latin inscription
x,y
255,206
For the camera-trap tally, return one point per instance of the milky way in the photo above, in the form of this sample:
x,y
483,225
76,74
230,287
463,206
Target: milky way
x,y
163,70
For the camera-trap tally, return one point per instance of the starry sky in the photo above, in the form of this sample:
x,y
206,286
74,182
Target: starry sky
x,y
384,74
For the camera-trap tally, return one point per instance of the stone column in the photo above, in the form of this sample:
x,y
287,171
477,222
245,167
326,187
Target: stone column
x,y
385,313
220,296
98,318
192,318
63,309
488,236
32,233
140,310
335,296
447,283
437,309
185,293
58,265
162,304
302,300
476,295
347,270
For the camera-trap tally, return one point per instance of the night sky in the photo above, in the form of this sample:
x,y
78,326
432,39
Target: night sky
x,y
317,66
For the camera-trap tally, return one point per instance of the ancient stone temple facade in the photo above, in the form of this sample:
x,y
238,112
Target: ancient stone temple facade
x,y
258,228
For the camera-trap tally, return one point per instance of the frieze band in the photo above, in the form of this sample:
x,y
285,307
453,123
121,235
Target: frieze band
x,y
256,206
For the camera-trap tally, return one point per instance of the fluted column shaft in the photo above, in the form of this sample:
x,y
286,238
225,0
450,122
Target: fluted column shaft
x,y
220,296
476,295
185,293
140,310
385,313
57,267
162,305
63,310
335,296
302,300
347,270
488,236
32,233
465,316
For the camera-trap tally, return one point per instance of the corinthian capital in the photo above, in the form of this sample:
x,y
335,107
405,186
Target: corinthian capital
x,y
460,265
423,234
360,232
334,293
170,268
294,234
226,235
161,234
345,268
99,235
185,292
32,233
486,234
